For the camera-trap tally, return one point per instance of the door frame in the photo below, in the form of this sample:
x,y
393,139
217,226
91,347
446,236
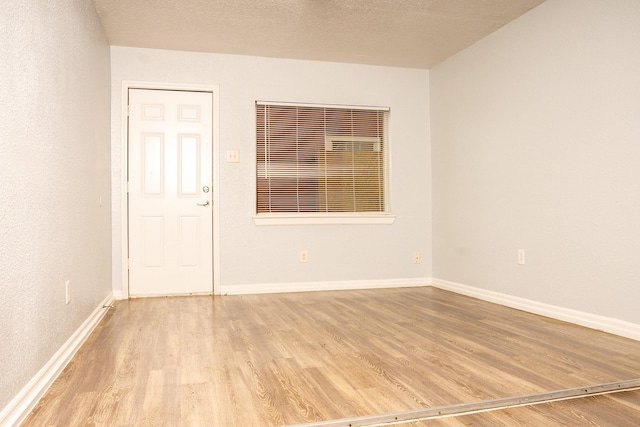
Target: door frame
x,y
124,172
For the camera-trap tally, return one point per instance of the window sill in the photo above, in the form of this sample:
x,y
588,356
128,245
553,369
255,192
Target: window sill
x,y
327,219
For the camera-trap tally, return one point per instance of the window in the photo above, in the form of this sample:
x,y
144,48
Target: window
x,y
320,161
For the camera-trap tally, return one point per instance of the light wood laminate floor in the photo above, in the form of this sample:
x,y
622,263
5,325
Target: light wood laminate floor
x,y
615,410
280,359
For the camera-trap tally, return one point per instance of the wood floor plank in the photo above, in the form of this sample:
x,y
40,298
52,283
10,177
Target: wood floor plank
x,y
618,409
278,359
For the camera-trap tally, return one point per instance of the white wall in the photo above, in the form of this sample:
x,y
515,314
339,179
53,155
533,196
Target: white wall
x,y
54,167
254,255
536,145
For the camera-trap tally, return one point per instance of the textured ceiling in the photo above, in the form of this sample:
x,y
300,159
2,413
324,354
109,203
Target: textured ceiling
x,y
404,33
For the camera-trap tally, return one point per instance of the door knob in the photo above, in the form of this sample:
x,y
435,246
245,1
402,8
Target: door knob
x,y
205,203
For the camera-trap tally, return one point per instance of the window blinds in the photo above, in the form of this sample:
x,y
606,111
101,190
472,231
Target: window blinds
x,y
320,159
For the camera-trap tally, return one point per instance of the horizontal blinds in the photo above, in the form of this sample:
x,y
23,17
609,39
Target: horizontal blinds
x,y
320,159
355,107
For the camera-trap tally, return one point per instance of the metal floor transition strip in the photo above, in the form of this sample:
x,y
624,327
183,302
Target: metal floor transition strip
x,y
484,406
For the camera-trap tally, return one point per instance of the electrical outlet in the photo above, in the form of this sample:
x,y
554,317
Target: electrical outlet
x,y
304,256
521,256
67,290
416,257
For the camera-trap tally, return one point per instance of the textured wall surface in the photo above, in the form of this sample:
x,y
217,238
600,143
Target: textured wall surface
x,y
54,168
253,254
536,145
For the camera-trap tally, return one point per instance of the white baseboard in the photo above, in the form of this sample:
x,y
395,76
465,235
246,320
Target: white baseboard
x,y
20,407
273,288
601,323
119,295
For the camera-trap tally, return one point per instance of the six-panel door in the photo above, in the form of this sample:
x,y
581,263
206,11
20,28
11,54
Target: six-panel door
x,y
170,197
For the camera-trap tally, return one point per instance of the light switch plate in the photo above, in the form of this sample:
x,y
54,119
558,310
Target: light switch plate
x,y
233,156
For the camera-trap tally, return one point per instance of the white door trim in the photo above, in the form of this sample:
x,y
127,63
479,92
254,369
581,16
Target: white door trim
x,y
126,85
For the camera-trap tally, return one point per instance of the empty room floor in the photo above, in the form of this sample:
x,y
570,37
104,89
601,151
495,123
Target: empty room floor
x,y
287,359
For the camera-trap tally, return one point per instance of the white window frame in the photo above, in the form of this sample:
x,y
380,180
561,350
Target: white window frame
x,y
342,218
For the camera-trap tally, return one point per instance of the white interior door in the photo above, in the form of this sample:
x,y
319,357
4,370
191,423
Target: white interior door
x,y
170,192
